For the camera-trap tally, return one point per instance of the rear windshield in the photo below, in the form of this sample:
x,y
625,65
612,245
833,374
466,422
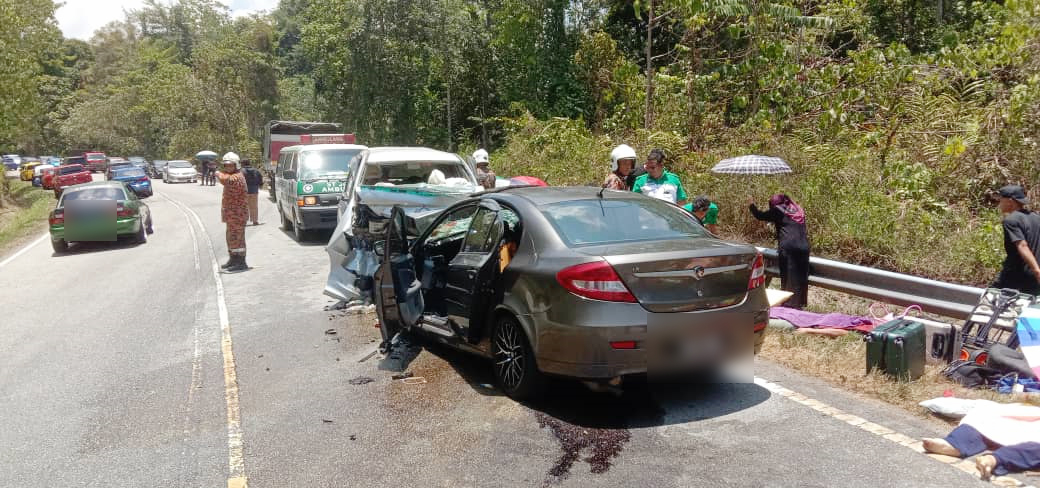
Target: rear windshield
x,y
332,163
413,172
179,164
95,157
99,193
128,173
68,170
592,222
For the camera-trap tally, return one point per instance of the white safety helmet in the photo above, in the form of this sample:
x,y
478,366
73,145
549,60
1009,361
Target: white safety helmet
x,y
621,152
230,157
480,156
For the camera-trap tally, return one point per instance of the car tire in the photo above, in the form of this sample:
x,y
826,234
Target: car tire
x,y
298,232
148,229
60,245
285,222
141,237
513,360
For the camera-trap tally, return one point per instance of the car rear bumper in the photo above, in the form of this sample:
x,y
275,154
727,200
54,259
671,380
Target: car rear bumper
x,y
324,217
577,344
181,178
124,227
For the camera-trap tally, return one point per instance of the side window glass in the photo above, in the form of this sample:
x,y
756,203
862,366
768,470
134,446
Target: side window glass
x,y
483,233
454,226
352,174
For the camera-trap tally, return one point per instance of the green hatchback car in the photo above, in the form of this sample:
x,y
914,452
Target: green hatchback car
x,y
98,211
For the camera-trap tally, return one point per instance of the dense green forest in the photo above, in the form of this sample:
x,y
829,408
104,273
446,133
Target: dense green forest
x,y
898,116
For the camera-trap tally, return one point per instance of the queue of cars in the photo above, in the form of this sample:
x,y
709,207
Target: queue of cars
x,y
584,283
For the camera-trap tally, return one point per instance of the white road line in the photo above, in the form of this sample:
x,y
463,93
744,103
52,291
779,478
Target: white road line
x,y
24,249
881,431
236,462
191,229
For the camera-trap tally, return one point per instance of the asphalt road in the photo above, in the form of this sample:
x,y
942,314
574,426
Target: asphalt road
x,y
117,370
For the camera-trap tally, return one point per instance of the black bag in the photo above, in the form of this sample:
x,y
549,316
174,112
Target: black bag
x,y
1007,360
972,375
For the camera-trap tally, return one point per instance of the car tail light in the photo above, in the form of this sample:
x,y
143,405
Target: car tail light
x,y
57,217
623,344
597,281
758,273
761,325
143,179
122,211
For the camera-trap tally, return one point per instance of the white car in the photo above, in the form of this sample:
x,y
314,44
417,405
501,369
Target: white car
x,y
180,171
422,181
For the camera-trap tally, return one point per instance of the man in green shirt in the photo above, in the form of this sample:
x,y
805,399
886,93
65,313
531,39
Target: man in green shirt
x,y
658,183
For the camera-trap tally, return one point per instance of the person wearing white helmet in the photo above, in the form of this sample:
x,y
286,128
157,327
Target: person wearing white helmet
x,y
485,177
234,212
622,161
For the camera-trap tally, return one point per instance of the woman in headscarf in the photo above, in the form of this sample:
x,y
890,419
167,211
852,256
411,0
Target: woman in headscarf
x,y
792,245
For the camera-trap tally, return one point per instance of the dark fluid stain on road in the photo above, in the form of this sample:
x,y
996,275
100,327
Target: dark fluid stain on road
x,y
360,380
605,444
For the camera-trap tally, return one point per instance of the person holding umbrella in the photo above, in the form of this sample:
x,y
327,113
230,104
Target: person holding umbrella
x,y
792,245
234,212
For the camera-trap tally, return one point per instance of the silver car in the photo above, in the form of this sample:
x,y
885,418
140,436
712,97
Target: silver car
x,y
180,171
579,282
422,181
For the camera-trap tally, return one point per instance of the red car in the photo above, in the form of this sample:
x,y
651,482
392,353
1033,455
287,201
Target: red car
x,y
68,175
47,177
96,161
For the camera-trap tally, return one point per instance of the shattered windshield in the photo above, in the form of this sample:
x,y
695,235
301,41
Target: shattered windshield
x,y
436,176
326,163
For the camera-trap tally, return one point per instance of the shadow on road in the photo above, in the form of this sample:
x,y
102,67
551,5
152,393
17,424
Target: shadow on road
x,y
640,403
98,247
311,237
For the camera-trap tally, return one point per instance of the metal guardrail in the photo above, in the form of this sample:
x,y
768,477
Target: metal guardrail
x,y
933,296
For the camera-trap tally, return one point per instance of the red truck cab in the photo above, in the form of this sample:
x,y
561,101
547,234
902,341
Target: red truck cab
x,y
68,175
96,161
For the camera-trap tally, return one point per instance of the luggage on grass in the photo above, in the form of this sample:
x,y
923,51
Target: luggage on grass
x,y
897,348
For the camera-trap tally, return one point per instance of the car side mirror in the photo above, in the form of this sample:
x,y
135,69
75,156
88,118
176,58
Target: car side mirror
x,y
289,174
380,248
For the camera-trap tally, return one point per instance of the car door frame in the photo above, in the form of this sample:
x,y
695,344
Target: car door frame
x,y
397,255
478,270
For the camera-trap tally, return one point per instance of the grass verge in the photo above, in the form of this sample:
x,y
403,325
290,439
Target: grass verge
x,y
24,213
842,362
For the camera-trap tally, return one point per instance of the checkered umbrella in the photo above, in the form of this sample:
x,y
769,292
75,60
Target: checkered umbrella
x,y
752,165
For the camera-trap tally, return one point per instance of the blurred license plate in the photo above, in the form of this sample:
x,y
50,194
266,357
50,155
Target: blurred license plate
x,y
90,220
706,346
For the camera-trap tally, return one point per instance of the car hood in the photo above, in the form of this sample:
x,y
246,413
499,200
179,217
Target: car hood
x,y
362,223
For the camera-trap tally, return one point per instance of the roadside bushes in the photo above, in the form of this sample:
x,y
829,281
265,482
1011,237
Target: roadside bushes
x,y
852,216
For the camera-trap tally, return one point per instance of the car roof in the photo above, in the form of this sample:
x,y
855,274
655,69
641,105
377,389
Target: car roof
x,y
96,184
308,147
393,154
547,195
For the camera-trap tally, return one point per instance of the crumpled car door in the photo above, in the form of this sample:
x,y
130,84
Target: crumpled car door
x,y
399,299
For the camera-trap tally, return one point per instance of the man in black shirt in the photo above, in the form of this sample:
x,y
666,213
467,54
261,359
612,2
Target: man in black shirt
x,y
1021,242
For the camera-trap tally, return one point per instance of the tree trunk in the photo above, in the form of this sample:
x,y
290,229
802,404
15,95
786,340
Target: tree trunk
x,y
648,120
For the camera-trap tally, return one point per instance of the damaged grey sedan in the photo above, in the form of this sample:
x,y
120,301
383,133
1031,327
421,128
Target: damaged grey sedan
x,y
422,181
577,282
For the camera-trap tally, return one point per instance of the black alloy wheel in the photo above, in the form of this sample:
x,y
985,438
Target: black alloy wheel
x,y
513,358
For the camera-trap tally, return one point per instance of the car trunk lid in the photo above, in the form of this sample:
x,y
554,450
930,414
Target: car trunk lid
x,y
681,275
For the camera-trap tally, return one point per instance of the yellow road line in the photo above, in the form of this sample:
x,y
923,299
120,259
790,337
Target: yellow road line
x,y
236,460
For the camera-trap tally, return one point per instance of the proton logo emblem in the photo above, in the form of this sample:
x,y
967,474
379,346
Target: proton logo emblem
x,y
698,272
